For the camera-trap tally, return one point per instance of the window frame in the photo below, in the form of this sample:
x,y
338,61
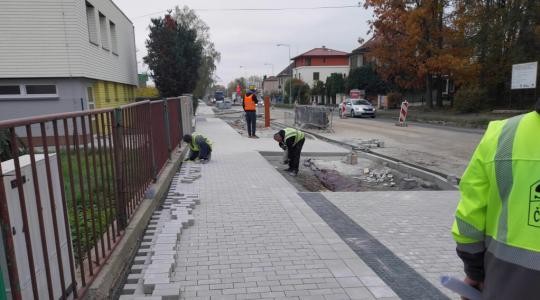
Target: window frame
x,y
93,39
23,95
104,32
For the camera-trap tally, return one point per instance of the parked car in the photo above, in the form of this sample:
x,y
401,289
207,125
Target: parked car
x,y
359,108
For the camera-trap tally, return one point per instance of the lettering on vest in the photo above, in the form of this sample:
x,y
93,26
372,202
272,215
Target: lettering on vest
x,y
534,205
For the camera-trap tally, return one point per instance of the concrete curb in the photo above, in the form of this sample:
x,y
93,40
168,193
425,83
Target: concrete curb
x,y
113,273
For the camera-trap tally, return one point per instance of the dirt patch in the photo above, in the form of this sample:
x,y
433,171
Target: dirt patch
x,y
319,174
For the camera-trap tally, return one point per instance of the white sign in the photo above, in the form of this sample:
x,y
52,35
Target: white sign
x,y
524,76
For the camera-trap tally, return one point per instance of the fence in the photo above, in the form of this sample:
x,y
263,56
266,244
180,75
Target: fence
x,y
70,185
317,116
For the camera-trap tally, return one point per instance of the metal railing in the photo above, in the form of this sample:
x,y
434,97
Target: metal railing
x,y
317,116
70,187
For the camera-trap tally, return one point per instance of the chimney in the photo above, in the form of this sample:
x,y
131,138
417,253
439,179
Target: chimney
x,y
324,47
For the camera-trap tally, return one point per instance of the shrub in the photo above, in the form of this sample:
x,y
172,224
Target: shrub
x,y
394,99
470,99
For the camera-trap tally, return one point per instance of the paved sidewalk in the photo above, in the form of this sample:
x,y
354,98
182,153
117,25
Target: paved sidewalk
x,y
255,238
415,226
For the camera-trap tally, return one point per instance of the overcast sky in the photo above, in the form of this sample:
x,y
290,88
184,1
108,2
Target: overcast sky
x,y
249,38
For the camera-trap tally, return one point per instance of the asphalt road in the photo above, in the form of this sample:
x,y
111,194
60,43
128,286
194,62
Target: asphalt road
x,y
440,148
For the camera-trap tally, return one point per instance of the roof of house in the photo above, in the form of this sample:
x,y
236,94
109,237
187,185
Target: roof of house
x,y
367,46
287,72
271,78
322,52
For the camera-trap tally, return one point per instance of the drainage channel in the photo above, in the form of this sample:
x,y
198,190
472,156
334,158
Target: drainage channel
x,y
398,275
433,173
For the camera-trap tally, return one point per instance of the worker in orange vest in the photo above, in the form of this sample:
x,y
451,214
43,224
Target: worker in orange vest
x,y
250,107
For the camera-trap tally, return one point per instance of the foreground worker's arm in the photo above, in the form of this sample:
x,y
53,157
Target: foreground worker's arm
x,y
470,220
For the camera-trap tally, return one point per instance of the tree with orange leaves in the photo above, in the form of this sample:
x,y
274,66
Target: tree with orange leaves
x,y
418,45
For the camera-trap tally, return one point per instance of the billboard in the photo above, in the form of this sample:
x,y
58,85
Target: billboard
x,y
524,76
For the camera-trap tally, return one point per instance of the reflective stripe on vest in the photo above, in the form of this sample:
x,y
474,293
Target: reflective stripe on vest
x,y
291,132
249,104
193,145
504,173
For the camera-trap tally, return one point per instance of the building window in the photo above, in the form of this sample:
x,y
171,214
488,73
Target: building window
x,y
107,95
28,91
92,26
41,89
10,90
103,31
316,76
116,96
114,38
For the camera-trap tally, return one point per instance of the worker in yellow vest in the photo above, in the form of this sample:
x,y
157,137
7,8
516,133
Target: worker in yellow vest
x,y
291,140
497,222
200,147
250,107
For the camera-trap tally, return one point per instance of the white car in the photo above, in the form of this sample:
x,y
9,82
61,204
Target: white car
x,y
360,108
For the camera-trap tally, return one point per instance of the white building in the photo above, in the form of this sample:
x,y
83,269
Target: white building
x,y
64,55
319,63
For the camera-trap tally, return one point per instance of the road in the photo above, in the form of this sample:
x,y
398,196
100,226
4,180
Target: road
x,y
439,148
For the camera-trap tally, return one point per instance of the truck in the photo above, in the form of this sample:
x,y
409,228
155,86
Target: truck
x,y
219,96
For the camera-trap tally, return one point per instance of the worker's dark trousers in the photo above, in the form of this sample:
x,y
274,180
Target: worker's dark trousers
x,y
294,156
251,120
204,152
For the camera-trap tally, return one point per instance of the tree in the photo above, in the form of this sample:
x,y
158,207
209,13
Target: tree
x,y
501,33
365,78
231,87
318,88
210,56
174,56
300,90
335,84
418,45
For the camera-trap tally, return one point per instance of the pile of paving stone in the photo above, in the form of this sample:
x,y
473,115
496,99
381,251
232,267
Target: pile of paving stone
x,y
152,271
381,176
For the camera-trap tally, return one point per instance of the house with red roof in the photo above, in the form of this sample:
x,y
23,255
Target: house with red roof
x,y
317,65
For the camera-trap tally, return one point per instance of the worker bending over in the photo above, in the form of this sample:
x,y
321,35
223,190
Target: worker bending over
x,y
291,140
200,147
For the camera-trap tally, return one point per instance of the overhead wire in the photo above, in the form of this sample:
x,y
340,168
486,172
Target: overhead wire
x,y
256,9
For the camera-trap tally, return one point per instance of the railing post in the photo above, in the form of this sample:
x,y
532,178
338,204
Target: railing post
x,y
179,112
167,124
118,137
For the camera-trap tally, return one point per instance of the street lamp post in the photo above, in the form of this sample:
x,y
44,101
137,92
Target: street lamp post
x,y
290,85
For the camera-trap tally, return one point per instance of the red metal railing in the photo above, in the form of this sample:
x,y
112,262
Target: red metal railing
x,y
89,172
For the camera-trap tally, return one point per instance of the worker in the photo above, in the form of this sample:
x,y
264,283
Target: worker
x,y
200,147
250,107
291,140
497,221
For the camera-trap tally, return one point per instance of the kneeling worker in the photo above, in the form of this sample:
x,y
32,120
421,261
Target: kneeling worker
x,y
200,146
292,140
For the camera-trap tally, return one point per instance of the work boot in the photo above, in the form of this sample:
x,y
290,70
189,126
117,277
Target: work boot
x,y
293,173
254,136
287,170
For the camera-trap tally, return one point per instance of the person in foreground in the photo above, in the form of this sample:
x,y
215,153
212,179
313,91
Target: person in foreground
x,y
291,140
497,222
200,147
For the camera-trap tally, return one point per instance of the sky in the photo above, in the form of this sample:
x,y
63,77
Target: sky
x,y
247,39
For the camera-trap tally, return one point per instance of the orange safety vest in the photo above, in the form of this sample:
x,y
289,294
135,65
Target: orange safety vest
x,y
249,104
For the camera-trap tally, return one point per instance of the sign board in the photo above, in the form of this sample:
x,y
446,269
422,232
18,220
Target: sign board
x,y
357,94
524,76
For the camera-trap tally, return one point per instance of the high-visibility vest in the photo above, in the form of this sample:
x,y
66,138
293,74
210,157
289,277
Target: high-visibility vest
x,y
293,133
193,145
499,211
249,104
